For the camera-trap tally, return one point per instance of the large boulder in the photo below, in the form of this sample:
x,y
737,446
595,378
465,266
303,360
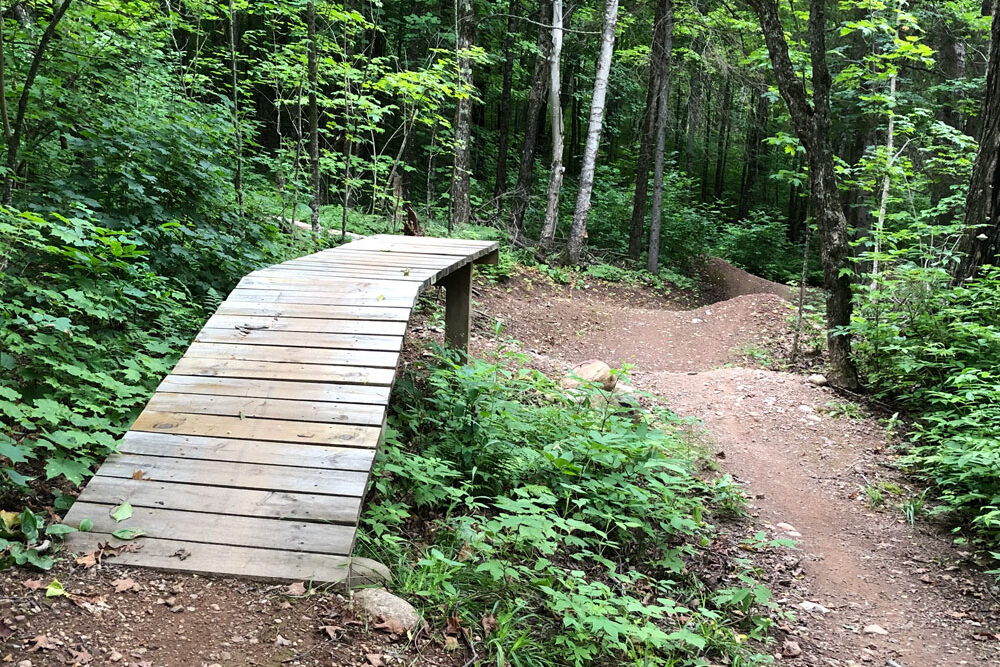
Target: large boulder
x,y
592,371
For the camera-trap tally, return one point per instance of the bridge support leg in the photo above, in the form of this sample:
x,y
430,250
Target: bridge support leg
x,y
458,308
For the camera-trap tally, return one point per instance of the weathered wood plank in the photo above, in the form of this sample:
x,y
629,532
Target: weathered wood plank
x,y
249,369
379,312
223,529
320,298
341,286
268,408
295,355
306,325
382,259
301,339
251,563
258,429
246,451
247,502
300,391
238,475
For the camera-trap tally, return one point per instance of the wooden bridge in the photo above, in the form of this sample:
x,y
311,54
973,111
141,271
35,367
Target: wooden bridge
x,y
253,456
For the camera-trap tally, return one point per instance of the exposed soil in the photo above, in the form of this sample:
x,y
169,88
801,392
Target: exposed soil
x,y
804,455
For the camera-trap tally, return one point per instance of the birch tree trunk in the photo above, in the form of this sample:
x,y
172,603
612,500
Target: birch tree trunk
x,y
556,120
503,111
461,211
237,128
663,97
313,76
578,232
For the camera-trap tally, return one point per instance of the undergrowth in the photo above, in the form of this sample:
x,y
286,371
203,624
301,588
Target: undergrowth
x,y
559,529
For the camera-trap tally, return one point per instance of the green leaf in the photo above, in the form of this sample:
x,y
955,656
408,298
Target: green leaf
x,y
86,525
122,512
13,452
29,525
55,589
128,533
41,561
72,469
57,529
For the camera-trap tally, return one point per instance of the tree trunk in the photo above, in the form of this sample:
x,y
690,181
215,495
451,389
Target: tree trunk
x,y
503,112
536,97
14,131
461,205
556,121
981,240
648,136
577,233
662,111
706,140
812,126
313,75
756,126
722,145
237,127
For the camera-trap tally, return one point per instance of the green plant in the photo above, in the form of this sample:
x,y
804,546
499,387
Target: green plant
x,y
564,520
914,507
843,409
875,497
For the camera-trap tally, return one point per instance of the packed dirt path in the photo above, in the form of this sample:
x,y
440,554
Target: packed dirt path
x,y
884,592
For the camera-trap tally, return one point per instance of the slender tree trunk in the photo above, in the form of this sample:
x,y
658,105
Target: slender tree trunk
x,y
313,118
556,122
883,207
14,131
648,136
461,174
706,140
980,243
722,145
237,126
578,232
756,126
662,111
812,124
503,112
536,97
693,107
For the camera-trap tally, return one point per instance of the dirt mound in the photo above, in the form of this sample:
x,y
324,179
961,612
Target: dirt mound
x,y
724,281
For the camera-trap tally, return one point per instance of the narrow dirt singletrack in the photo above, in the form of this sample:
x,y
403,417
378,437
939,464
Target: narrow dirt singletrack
x,y
877,590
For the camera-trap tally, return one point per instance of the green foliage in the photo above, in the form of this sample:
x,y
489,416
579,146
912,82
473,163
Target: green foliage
x,y
760,245
23,539
568,519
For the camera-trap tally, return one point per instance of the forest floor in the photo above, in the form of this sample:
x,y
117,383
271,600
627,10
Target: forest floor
x,y
804,453
884,592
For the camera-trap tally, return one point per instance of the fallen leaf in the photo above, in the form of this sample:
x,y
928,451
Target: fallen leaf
x,y
451,643
453,625
392,626
88,560
281,641
138,474
334,632
489,624
5,631
93,604
126,584
81,657
10,519
374,659
55,589
34,584
180,554
122,512
296,589
42,643
128,533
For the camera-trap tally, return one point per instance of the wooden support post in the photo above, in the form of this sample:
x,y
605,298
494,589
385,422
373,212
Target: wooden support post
x,y
458,308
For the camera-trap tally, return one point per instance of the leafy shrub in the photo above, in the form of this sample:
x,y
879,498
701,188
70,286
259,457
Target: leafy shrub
x,y
760,245
562,518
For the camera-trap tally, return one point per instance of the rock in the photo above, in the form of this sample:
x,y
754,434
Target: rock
x,y
818,380
594,371
785,527
381,604
177,608
875,630
791,649
813,607
368,572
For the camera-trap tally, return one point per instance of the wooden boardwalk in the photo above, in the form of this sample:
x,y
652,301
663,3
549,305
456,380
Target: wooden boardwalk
x,y
252,458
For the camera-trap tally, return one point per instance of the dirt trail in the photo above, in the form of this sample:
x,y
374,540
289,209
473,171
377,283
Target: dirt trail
x,y
803,464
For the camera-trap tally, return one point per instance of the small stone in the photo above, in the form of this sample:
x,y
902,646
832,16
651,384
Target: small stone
x,y
176,609
785,527
813,607
381,604
213,607
115,656
594,371
281,641
875,630
791,649
24,663
818,380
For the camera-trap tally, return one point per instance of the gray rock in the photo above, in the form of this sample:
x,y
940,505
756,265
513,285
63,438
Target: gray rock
x,y
875,630
818,380
594,371
791,649
367,572
382,605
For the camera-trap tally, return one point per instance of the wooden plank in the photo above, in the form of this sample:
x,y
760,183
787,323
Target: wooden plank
x,y
306,324
469,253
223,529
379,312
295,355
237,475
479,243
276,370
268,408
320,298
245,451
301,391
342,286
217,559
364,270
195,498
378,258
458,308
258,429
301,339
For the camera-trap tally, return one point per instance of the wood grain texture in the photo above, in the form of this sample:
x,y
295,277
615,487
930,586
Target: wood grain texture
x,y
253,456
